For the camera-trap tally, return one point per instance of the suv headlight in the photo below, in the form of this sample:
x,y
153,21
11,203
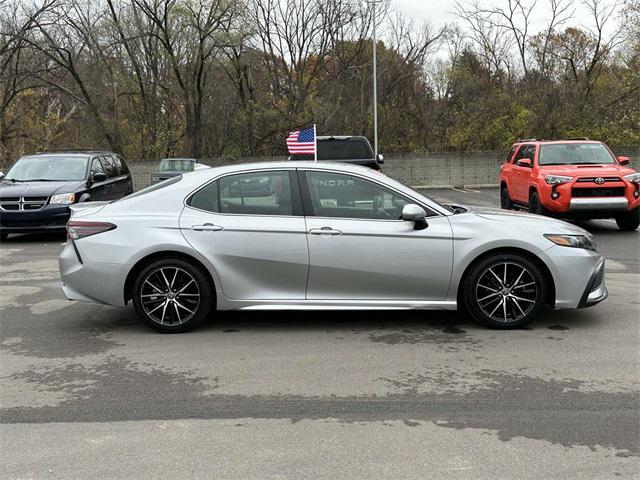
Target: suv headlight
x,y
556,179
63,199
634,177
575,241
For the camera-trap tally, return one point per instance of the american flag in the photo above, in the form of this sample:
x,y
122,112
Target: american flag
x,y
302,141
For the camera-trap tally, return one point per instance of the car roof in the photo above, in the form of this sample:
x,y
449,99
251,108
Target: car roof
x,y
554,142
341,137
67,153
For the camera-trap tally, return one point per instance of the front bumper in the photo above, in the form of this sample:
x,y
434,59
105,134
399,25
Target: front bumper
x,y
573,271
596,290
608,204
50,218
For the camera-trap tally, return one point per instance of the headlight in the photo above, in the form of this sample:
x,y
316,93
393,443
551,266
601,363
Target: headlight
x,y
556,179
634,177
63,199
575,241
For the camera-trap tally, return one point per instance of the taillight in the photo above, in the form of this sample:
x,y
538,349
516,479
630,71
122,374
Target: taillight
x,y
78,229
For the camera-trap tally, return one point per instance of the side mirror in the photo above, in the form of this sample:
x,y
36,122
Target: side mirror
x,y
1,175
380,159
98,177
525,162
624,160
415,213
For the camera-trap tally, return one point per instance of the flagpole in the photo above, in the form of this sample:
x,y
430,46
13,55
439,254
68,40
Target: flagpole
x,y
315,147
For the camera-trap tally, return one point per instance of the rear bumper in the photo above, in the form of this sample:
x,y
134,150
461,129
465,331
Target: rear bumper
x,y
87,281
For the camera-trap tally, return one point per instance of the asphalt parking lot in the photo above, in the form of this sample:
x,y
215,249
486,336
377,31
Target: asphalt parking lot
x,y
88,392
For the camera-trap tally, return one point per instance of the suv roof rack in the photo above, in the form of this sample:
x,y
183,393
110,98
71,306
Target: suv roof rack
x,y
522,140
578,138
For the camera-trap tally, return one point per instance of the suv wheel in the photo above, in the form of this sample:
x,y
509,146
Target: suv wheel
x,y
535,206
172,296
629,221
505,201
505,291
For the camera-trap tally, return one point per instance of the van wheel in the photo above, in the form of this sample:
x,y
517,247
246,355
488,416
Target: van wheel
x,y
505,291
629,221
505,200
172,295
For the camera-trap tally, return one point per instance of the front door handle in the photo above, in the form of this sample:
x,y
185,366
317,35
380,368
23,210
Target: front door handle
x,y
207,227
324,231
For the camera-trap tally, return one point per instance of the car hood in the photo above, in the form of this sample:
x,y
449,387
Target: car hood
x,y
38,189
550,225
586,170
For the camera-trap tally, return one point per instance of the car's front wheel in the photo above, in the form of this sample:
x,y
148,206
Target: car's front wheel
x,y
505,291
172,295
629,221
505,200
535,206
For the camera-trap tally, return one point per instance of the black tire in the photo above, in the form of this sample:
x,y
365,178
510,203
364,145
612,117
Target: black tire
x,y
505,200
3,236
535,206
524,292
629,221
157,290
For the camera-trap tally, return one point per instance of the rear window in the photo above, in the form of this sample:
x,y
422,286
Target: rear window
x,y
336,149
153,188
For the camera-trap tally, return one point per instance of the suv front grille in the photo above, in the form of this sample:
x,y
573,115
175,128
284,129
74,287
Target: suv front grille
x,y
22,204
593,179
598,192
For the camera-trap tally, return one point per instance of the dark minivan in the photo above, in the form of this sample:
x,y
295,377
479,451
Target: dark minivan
x,y
36,192
345,149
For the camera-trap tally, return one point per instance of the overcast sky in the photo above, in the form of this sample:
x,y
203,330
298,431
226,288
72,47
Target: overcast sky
x,y
438,12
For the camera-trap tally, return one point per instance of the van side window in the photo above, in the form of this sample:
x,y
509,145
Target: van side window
x,y
109,166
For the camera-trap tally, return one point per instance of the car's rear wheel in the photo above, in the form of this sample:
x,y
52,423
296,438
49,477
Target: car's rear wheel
x,y
172,295
505,201
505,291
3,236
629,221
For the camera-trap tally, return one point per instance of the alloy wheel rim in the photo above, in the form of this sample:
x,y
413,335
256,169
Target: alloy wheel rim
x,y
506,292
170,296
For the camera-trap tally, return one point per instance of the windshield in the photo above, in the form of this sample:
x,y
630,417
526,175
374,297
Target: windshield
x,y
575,154
176,165
48,168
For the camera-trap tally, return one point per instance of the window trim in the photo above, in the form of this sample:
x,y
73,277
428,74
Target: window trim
x,y
308,204
296,201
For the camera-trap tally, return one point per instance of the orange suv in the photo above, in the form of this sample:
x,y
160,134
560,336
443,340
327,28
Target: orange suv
x,y
576,178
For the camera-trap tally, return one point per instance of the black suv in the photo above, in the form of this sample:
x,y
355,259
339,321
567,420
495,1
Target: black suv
x,y
36,192
345,149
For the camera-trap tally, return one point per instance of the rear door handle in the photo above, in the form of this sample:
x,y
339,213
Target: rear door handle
x,y
324,231
207,227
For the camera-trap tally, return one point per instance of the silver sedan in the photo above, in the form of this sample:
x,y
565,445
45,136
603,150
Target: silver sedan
x,y
304,235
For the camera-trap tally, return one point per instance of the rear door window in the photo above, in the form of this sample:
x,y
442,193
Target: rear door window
x,y
259,193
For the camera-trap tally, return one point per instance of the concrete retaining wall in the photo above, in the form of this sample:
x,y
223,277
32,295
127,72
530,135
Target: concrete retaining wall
x,y
431,169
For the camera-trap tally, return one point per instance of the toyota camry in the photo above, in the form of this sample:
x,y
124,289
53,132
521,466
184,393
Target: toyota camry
x,y
306,235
